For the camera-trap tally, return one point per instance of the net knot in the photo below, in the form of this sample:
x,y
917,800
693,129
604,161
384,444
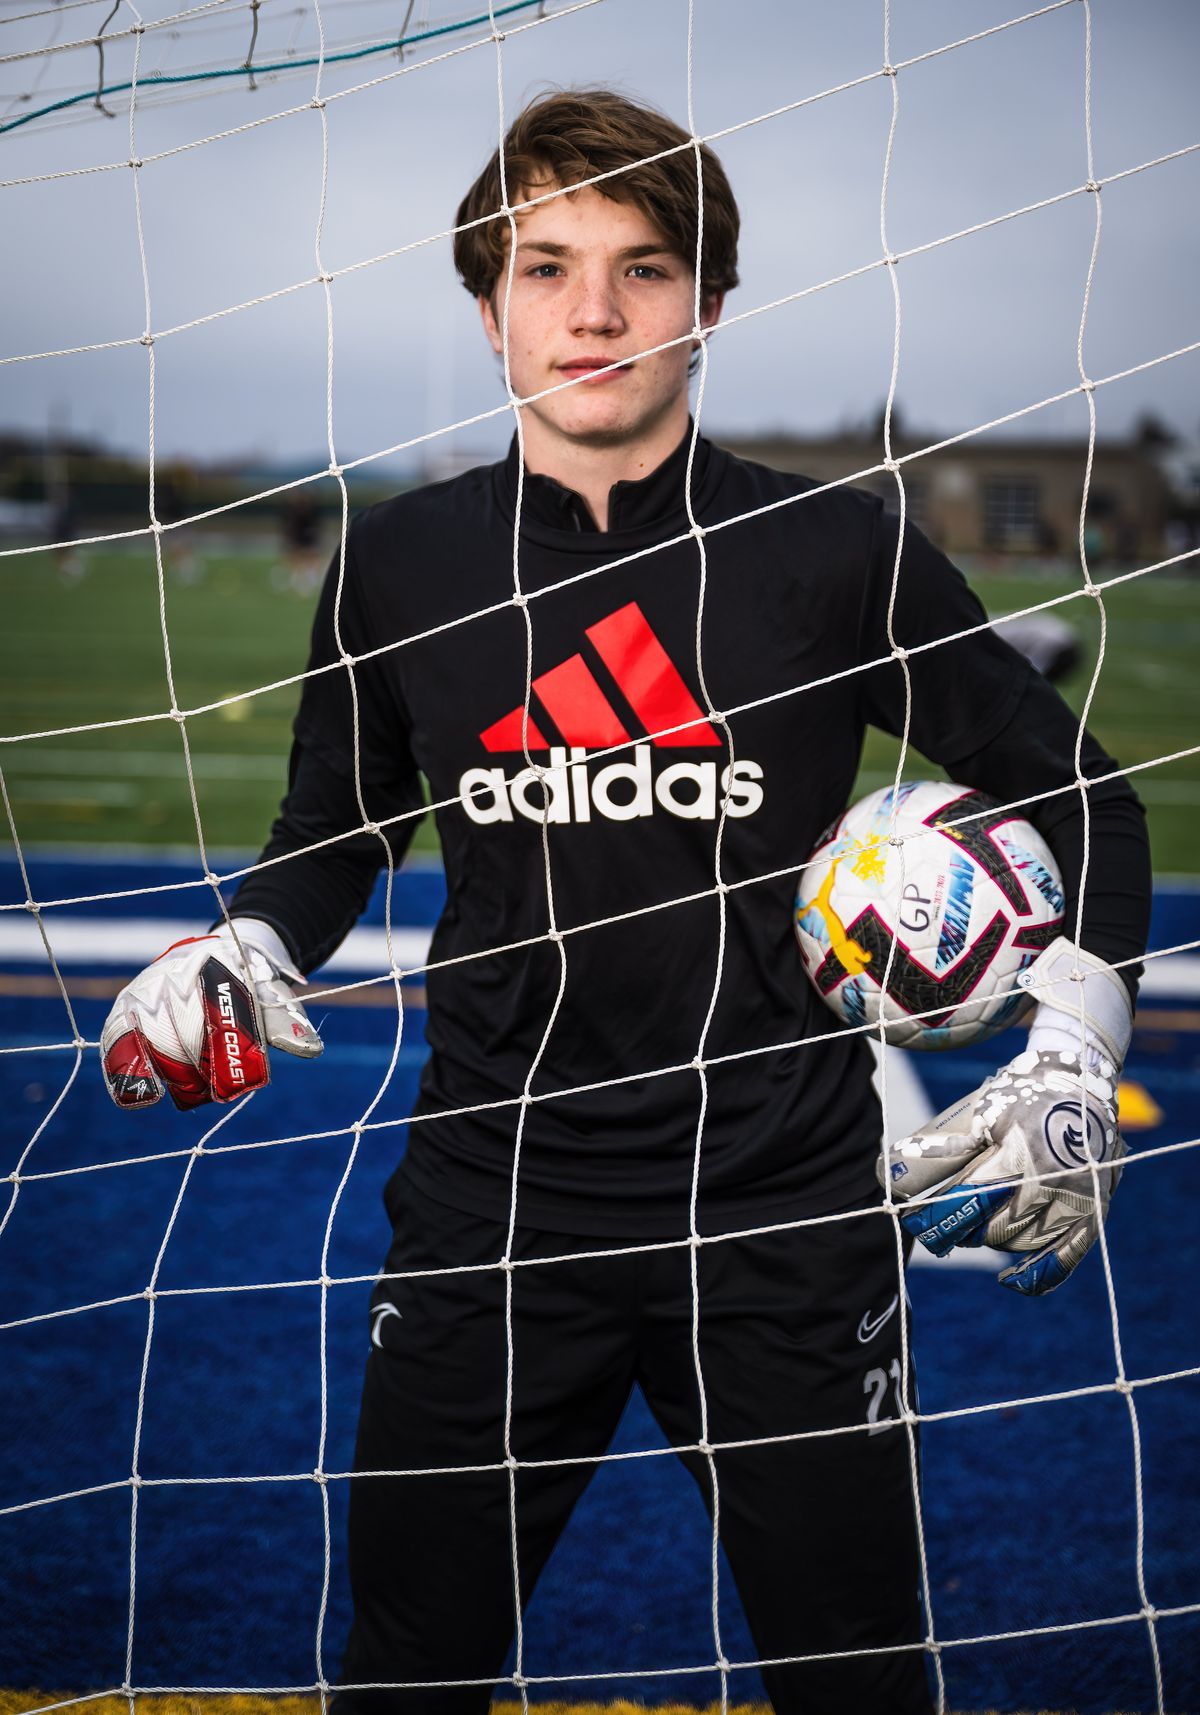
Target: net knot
x,y
498,37
721,886
347,660
1087,386
555,935
698,1063
510,1463
319,1476
371,828
699,532
1150,1612
211,879
1123,1386
520,599
899,653
1093,185
14,1178
147,340
704,1446
891,466
318,101
32,905
891,260
326,279
198,1148
888,70
334,469
135,162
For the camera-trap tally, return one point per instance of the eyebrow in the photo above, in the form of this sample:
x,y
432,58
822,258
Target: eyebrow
x,y
546,247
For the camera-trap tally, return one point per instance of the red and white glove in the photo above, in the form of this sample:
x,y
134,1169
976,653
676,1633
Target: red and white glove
x,y
199,1019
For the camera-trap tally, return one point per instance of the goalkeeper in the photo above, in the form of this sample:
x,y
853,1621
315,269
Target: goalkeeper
x,y
419,666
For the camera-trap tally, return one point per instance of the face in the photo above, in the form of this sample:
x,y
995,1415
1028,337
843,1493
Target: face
x,y
593,285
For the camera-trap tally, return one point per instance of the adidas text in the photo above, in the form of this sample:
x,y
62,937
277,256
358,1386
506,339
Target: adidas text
x,y
620,791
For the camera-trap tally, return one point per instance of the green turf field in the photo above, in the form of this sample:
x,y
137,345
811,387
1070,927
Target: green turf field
x,y
84,646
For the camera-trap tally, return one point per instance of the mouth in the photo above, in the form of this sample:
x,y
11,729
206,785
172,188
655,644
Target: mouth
x,y
592,370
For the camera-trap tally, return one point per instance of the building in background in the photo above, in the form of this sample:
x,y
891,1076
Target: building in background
x,y
1018,496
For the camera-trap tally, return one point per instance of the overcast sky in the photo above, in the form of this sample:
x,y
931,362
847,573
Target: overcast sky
x,y
989,321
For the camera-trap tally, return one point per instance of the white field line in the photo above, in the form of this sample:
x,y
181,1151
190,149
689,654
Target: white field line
x,y
131,942
128,943
87,765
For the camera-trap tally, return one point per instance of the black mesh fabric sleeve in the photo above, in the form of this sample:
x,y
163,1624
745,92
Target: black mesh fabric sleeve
x,y
991,721
1035,752
314,897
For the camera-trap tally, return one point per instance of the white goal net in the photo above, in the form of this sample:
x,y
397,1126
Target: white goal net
x,y
227,230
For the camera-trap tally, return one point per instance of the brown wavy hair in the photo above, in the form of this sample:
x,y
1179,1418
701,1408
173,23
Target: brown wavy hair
x,y
569,136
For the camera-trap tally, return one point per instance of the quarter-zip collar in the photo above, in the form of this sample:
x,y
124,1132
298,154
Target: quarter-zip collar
x,y
655,500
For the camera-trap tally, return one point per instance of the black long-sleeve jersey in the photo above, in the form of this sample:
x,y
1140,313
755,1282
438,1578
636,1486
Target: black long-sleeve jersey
x,y
795,654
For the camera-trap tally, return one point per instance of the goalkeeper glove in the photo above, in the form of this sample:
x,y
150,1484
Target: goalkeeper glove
x,y
199,1018
1011,1164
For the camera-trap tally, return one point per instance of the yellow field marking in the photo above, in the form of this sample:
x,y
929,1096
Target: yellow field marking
x,y
854,958
1136,1108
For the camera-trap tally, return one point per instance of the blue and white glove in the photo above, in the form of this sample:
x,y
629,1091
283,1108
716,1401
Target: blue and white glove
x,y
1011,1165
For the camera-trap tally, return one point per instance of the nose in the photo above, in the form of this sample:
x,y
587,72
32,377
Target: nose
x,y
596,306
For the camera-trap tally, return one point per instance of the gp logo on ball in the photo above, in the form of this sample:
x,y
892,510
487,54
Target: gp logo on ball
x,y
1065,1137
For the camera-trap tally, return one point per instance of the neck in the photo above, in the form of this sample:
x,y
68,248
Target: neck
x,y
592,469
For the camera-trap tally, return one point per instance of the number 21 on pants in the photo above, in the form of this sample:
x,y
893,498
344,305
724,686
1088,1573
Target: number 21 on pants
x,y
875,1387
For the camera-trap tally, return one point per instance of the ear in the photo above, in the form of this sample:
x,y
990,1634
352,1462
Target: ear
x,y
711,305
491,326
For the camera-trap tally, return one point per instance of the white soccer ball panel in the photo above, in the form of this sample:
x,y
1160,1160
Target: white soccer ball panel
x,y
968,893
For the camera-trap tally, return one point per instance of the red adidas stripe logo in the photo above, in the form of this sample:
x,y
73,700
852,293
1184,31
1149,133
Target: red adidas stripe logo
x,y
574,700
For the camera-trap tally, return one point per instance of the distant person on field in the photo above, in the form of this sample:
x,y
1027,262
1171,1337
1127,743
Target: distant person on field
x,y
301,531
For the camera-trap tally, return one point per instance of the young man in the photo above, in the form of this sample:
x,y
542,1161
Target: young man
x,y
420,664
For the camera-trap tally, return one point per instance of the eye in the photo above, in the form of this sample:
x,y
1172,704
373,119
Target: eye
x,y
544,270
646,271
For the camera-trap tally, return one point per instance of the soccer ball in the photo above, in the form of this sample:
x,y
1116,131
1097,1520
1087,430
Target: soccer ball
x,y
970,893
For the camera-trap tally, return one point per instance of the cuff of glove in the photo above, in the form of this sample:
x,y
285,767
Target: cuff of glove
x,y
254,932
1058,990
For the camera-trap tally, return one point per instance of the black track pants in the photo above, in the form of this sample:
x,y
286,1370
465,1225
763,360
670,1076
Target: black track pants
x,y
798,1331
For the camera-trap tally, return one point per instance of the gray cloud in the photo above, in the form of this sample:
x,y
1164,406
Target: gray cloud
x,y
989,322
